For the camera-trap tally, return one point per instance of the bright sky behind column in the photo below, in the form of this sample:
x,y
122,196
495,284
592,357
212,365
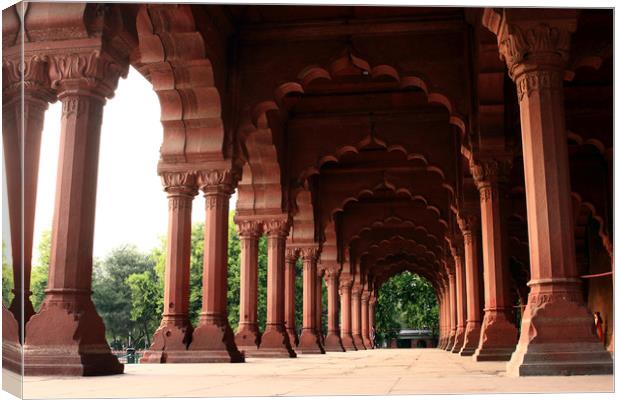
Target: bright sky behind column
x,y
131,204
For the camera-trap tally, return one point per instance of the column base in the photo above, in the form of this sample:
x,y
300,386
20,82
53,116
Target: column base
x,y
213,342
359,342
11,347
450,342
472,337
498,338
275,344
310,343
459,339
333,342
558,338
67,337
348,343
366,342
292,337
15,308
170,343
248,337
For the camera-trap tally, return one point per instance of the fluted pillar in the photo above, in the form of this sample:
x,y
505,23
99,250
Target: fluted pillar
x,y
356,316
461,298
469,226
498,334
309,342
332,340
289,296
275,341
346,333
171,339
557,333
248,335
67,336
213,340
453,311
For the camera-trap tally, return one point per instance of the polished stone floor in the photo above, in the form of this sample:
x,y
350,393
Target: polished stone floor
x,y
374,372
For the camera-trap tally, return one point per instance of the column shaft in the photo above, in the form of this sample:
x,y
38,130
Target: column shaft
x,y
356,317
289,295
452,312
309,342
472,331
365,298
461,302
346,334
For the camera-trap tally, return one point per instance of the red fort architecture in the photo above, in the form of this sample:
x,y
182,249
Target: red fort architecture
x,y
471,146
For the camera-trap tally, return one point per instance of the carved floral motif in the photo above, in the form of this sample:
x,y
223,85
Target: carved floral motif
x,y
276,227
249,228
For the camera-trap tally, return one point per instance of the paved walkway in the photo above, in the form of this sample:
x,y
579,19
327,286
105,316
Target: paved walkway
x,y
375,372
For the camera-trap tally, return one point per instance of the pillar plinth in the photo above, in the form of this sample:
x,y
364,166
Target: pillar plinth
x,y
469,225
365,298
67,336
332,340
289,296
346,334
248,335
275,340
309,342
356,317
557,333
174,334
498,335
461,299
22,145
11,346
213,339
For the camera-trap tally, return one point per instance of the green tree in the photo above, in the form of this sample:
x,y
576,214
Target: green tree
x,y
406,301
146,290
7,279
39,274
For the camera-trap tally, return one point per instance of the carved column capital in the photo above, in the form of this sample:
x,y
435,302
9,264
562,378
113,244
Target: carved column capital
x,y
276,227
292,253
249,228
529,40
32,72
365,296
469,224
89,69
309,253
346,281
217,181
179,183
332,274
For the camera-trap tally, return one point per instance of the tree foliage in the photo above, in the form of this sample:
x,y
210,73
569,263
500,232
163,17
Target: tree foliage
x,y
7,279
38,277
406,301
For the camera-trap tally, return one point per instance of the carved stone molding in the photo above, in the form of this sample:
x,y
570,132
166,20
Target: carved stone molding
x,y
33,72
292,254
177,183
276,227
90,70
490,172
217,181
309,253
468,223
249,228
346,281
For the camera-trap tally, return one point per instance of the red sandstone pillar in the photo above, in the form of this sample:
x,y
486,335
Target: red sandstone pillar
x,y
356,316
557,333
365,298
174,334
319,306
332,340
498,335
346,334
22,145
309,342
248,336
442,319
453,311
461,298
67,336
213,339
289,296
275,341
469,226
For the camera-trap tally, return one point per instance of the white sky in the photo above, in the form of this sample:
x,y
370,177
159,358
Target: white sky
x,y
131,205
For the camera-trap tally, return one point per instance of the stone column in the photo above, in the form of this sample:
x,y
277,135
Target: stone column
x,y
356,316
248,336
332,340
498,335
309,342
289,296
452,312
319,306
365,298
67,336
372,303
275,341
461,298
469,226
213,339
22,145
346,334
557,333
442,319
174,334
